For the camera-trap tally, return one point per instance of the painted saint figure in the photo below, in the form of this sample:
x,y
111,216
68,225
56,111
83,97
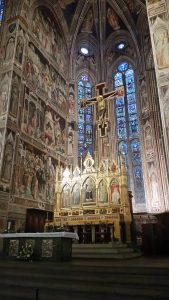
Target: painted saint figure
x,y
115,194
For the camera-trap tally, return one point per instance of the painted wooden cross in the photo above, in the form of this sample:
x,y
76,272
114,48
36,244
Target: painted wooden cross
x,y
99,100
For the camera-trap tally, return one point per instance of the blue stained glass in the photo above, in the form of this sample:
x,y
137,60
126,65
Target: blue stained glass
x,y
81,118
90,149
131,98
89,118
132,109
1,10
80,84
81,137
81,128
118,80
135,149
120,112
138,178
88,110
121,128
130,86
85,116
119,102
122,147
123,67
125,77
85,77
133,124
89,128
129,73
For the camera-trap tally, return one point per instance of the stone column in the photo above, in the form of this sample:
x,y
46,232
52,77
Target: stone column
x,y
158,17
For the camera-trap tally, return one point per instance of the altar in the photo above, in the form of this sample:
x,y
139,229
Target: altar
x,y
43,246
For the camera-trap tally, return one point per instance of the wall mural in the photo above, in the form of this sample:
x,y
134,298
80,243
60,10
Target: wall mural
x,y
144,96
148,140
113,19
2,136
70,145
15,94
4,92
46,31
42,123
20,46
161,43
6,170
71,102
158,17
44,79
10,46
34,174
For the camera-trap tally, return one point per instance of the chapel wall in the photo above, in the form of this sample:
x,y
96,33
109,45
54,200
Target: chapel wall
x,y
33,93
158,16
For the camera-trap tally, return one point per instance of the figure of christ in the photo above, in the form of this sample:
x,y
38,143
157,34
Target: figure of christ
x,y
99,100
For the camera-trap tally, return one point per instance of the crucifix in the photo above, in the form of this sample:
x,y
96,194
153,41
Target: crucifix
x,y
99,100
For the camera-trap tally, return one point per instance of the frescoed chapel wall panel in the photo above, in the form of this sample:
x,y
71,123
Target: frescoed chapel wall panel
x,y
46,31
34,176
158,17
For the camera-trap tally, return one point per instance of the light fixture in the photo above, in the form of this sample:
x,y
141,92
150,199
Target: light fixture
x,y
121,46
84,50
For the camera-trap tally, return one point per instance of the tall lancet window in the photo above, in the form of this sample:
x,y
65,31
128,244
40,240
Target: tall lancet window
x,y
85,117
128,130
1,10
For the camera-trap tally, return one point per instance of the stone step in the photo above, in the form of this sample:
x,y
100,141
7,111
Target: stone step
x,y
85,288
29,294
140,266
105,256
102,246
104,251
144,280
79,281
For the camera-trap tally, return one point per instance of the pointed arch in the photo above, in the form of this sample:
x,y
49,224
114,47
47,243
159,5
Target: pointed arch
x,y
102,193
65,196
127,128
88,191
76,194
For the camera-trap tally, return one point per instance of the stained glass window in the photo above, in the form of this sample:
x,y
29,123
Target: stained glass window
x,y
1,10
85,117
128,129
